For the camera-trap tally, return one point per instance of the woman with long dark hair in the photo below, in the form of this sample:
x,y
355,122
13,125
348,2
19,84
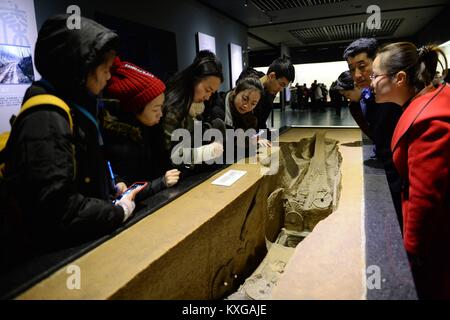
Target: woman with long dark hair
x,y
185,96
235,107
421,152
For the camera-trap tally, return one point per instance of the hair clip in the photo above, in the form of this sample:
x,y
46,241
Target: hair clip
x,y
422,51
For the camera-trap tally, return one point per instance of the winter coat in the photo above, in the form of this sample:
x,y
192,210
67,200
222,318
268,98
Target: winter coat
x,y
135,151
421,153
263,109
58,189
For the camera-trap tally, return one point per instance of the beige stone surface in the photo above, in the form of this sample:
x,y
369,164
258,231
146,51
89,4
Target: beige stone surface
x,y
171,254
330,262
204,244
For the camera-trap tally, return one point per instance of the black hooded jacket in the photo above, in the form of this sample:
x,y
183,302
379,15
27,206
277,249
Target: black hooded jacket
x,y
58,186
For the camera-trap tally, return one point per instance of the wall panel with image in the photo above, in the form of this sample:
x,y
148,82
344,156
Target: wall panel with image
x,y
18,34
236,64
205,42
16,66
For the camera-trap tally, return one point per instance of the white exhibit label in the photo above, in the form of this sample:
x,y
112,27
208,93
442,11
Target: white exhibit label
x,y
229,178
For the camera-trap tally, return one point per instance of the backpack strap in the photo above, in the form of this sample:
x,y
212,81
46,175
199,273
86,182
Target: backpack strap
x,y
47,99
38,100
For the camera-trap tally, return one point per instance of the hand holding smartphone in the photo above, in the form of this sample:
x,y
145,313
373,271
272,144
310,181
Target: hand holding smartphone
x,y
134,188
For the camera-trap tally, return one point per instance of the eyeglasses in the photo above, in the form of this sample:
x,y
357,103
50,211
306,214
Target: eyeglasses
x,y
373,76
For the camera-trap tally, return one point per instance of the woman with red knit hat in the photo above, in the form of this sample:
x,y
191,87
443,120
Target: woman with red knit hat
x,y
133,138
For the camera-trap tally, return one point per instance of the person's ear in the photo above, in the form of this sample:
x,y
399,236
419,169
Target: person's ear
x,y
401,79
272,75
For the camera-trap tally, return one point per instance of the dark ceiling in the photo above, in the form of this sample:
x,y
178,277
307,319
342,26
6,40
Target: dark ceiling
x,y
316,24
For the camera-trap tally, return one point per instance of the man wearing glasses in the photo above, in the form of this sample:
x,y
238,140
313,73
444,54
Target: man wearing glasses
x,y
376,120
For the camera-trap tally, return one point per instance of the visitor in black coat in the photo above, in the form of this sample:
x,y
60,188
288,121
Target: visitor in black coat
x,y
58,189
378,119
280,73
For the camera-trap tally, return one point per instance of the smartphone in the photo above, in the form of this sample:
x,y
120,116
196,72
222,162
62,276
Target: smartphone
x,y
260,133
131,188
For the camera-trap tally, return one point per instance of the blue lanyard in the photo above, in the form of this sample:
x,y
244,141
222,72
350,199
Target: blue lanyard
x,y
81,109
100,139
92,119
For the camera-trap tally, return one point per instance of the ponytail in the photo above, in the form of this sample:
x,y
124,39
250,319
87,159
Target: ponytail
x,y
428,59
418,64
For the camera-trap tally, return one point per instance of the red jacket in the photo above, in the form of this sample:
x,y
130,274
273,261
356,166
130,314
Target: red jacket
x,y
421,153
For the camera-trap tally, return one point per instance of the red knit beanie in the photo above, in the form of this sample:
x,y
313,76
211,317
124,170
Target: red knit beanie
x,y
133,86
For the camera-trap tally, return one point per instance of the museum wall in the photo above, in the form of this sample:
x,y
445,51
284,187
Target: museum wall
x,y
183,17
